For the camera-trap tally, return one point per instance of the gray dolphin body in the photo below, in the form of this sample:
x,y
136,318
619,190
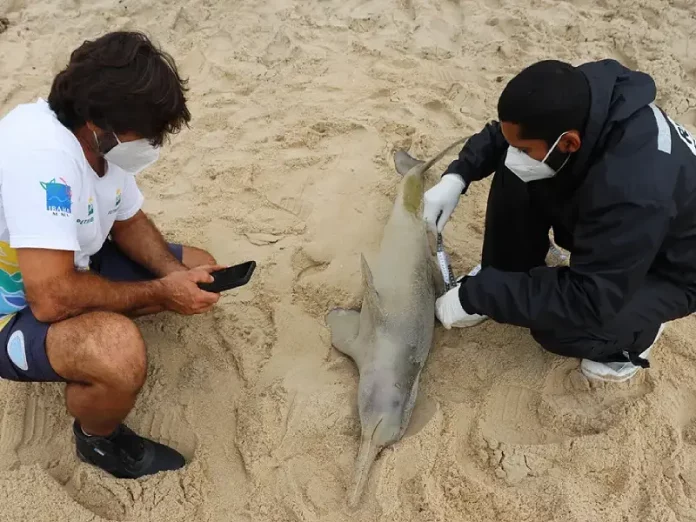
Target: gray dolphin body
x,y
390,338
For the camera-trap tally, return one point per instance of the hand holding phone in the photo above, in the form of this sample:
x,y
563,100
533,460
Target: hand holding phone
x,y
228,278
180,292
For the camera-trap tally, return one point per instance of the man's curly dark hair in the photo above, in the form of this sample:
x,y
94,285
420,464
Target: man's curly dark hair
x,y
122,83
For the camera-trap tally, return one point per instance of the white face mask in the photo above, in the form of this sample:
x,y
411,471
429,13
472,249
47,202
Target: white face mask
x,y
132,156
529,169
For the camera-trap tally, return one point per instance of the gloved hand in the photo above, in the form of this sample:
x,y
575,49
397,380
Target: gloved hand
x,y
449,311
441,200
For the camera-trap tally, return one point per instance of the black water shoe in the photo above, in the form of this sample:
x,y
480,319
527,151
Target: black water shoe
x,y
124,454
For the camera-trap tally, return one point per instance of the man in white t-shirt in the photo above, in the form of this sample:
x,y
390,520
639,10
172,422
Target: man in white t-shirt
x,y
78,256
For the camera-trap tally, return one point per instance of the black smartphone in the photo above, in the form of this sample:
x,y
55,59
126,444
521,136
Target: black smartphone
x,y
228,278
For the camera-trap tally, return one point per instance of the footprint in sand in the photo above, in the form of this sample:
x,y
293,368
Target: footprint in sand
x,y
148,498
247,335
688,473
33,427
520,419
571,406
441,109
510,429
679,470
35,430
512,417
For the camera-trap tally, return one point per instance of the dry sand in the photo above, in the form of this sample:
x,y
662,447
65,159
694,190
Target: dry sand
x,y
297,107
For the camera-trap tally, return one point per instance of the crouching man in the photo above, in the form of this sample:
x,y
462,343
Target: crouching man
x,y
78,256
586,151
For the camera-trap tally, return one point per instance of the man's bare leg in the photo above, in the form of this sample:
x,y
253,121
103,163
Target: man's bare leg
x,y
102,356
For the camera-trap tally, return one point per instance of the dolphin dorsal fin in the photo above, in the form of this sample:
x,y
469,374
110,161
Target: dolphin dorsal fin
x,y
371,297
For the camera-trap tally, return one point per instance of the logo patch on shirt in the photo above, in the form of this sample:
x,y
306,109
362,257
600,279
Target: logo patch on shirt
x,y
58,197
118,202
90,214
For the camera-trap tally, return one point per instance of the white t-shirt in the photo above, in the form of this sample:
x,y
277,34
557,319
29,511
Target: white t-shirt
x,y
50,197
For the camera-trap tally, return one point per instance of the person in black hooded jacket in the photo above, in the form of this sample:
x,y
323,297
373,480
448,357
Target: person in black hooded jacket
x,y
584,151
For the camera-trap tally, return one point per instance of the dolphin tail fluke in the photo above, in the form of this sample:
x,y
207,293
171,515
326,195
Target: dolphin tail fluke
x,y
413,171
423,168
405,162
366,456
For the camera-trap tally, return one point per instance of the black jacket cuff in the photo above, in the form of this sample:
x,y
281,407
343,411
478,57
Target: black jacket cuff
x,y
464,298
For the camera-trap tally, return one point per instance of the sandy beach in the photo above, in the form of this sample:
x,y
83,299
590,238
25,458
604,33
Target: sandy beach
x,y
297,108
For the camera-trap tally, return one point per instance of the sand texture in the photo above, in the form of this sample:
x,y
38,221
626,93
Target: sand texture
x,y
298,106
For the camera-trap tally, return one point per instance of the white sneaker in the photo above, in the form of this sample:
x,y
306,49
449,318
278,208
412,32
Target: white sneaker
x,y
615,371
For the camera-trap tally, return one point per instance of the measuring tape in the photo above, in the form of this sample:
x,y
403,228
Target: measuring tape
x,y
445,267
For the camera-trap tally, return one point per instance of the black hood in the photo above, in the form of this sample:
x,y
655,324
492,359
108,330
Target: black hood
x,y
616,94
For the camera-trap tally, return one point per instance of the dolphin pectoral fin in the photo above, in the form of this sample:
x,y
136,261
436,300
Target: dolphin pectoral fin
x,y
405,162
371,297
344,326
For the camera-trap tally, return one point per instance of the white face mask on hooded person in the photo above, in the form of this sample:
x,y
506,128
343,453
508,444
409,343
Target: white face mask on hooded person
x,y
529,169
132,156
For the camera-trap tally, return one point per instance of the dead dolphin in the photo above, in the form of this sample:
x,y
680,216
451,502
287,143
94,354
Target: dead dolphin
x,y
390,337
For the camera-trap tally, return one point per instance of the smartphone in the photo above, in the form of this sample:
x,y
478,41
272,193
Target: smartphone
x,y
228,278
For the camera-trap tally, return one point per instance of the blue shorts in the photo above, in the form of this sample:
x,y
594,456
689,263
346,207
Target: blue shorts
x,y
23,338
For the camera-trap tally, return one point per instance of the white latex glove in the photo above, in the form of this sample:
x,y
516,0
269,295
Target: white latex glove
x,y
441,200
449,311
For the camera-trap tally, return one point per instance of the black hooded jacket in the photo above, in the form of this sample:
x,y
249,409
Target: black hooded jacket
x,y
625,206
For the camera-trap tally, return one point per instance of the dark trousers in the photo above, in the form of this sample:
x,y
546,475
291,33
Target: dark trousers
x,y
516,239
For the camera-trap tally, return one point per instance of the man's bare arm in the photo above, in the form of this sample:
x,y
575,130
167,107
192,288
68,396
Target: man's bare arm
x,y
56,291
140,240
